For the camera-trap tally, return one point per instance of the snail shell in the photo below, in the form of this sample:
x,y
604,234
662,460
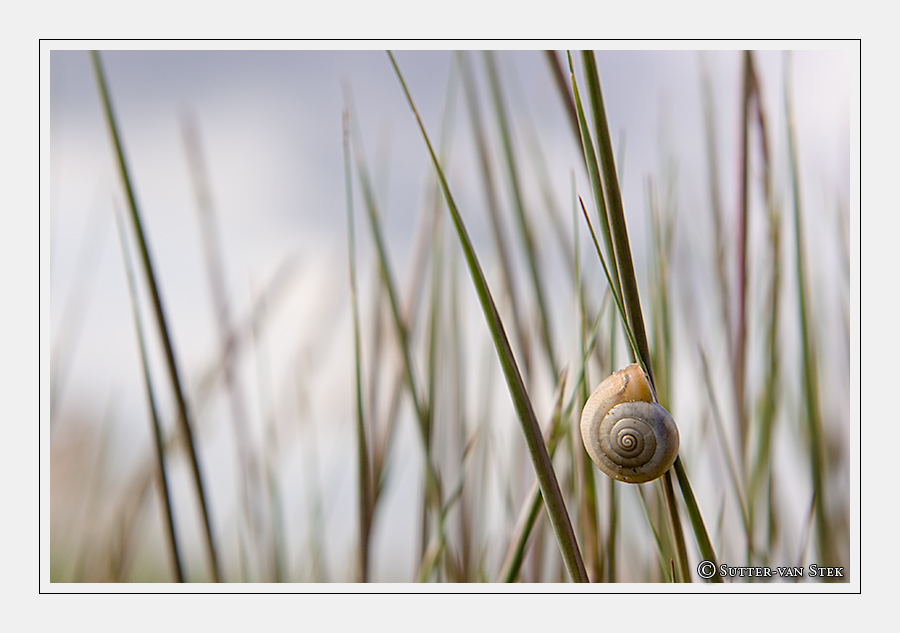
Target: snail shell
x,y
627,434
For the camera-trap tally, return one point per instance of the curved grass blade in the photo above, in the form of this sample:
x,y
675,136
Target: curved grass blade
x,y
362,447
703,542
516,554
622,249
559,80
810,366
593,168
514,557
629,293
423,408
525,230
157,429
184,418
546,476
493,206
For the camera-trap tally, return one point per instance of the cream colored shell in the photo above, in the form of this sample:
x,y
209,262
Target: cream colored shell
x,y
629,436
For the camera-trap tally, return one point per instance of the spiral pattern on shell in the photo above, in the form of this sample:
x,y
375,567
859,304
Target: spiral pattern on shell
x,y
629,436
638,442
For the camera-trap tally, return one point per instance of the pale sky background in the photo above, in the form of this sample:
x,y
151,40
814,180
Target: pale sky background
x,y
270,124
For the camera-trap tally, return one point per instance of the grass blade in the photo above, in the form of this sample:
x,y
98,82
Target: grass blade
x,y
362,448
151,401
810,371
549,485
493,206
593,169
703,543
525,232
616,215
422,408
630,300
184,418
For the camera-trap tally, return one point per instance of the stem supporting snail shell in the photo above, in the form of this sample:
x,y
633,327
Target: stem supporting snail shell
x,y
627,434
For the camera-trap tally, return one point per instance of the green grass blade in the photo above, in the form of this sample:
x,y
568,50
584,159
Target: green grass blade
x,y
810,366
590,519
422,408
549,485
362,445
699,527
628,333
629,291
616,214
184,417
151,401
511,566
661,322
657,537
479,134
720,240
562,86
525,231
681,555
593,168
740,348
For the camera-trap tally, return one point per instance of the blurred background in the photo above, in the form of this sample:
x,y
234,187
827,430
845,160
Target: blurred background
x,y
237,163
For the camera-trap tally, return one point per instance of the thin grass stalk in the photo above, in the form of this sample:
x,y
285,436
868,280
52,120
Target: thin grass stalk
x,y
516,553
248,474
662,543
459,399
612,489
415,287
556,508
278,550
493,206
515,556
151,401
184,417
145,472
422,409
383,429
771,393
810,368
807,532
612,536
562,87
433,335
590,512
525,232
622,255
661,238
727,456
543,179
364,470
435,253
265,400
593,169
616,214
740,347
628,333
703,543
715,197
681,555
314,511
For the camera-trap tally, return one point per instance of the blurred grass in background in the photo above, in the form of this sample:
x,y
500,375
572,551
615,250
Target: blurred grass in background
x,y
392,451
